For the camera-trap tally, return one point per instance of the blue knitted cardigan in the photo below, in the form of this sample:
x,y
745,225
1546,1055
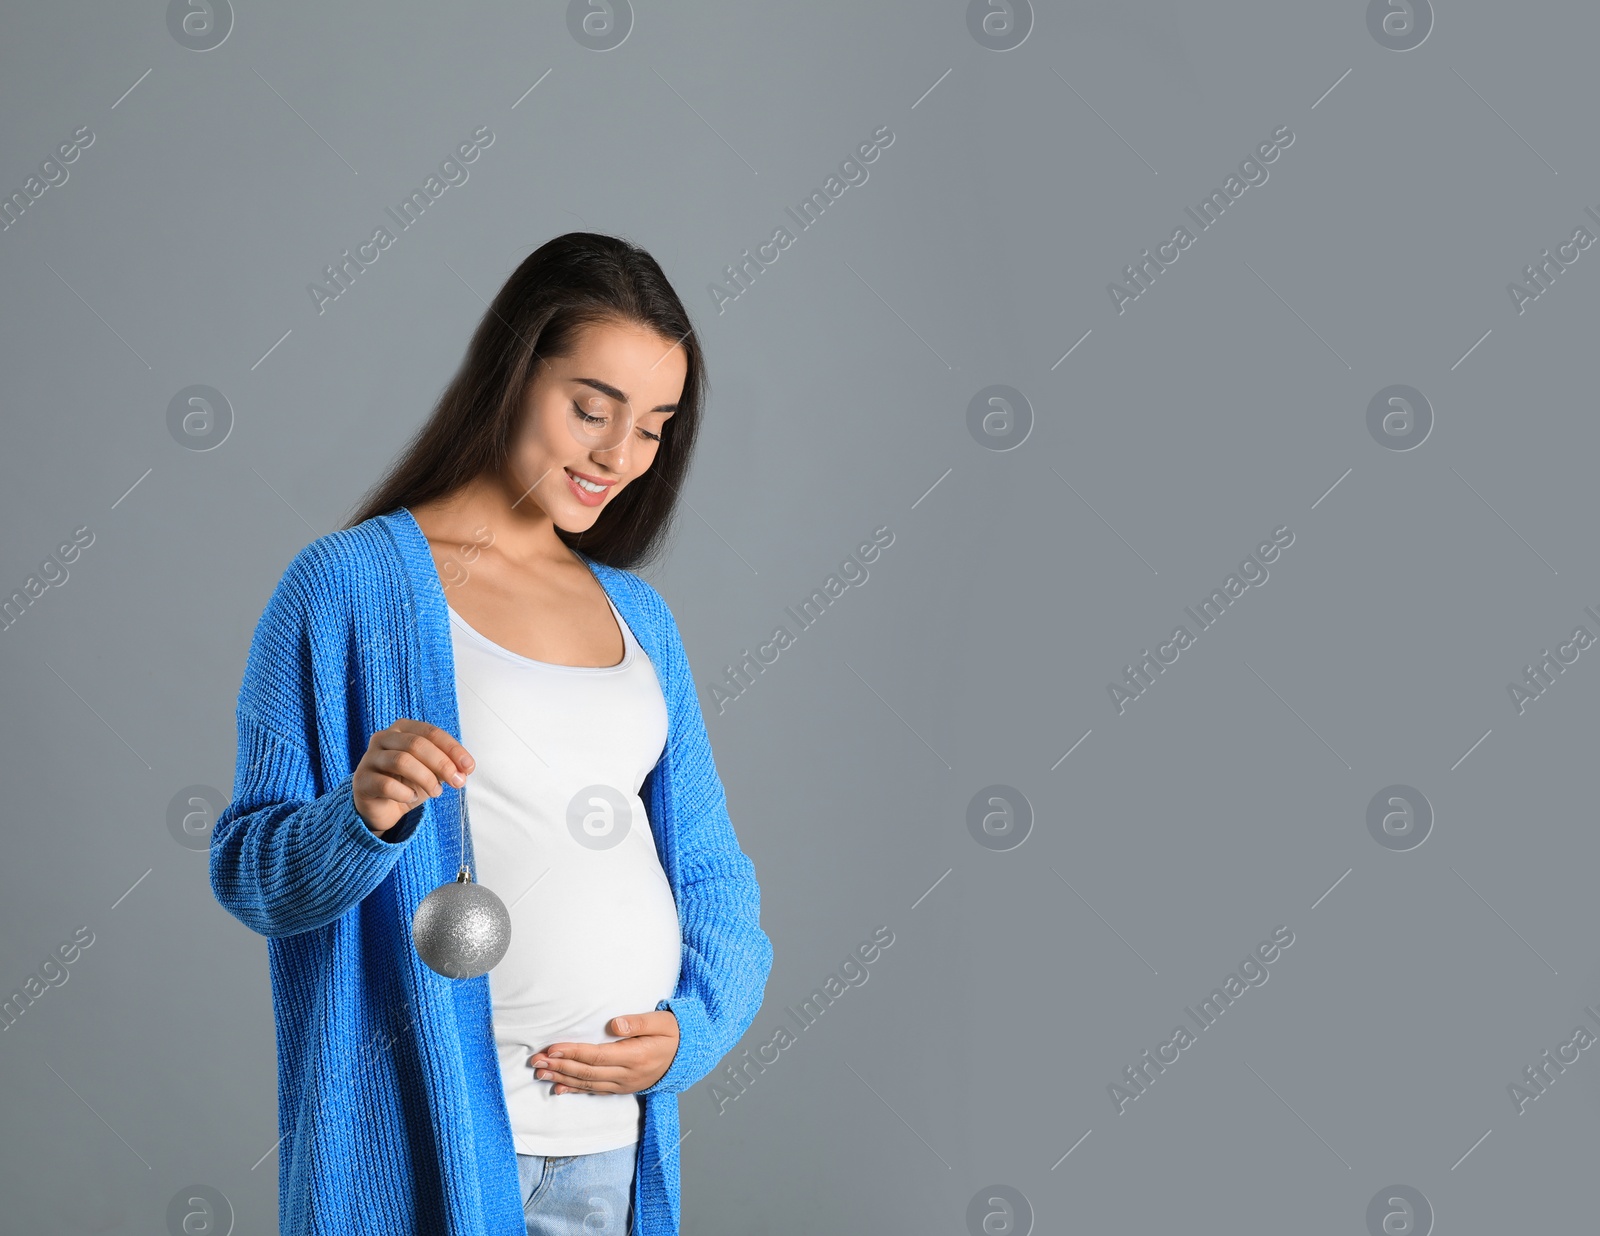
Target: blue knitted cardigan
x,y
391,1108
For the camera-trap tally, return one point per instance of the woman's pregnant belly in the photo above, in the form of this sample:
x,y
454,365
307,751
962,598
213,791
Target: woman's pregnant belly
x,y
594,936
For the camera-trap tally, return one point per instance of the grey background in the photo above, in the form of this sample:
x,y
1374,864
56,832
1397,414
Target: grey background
x,y
1225,402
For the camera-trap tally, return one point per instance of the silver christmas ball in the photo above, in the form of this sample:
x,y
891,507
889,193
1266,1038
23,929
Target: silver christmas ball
x,y
461,930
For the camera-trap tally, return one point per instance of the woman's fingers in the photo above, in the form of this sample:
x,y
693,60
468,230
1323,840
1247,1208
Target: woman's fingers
x,y
597,1068
448,758
631,1063
419,758
576,1076
403,765
654,1021
566,1069
398,790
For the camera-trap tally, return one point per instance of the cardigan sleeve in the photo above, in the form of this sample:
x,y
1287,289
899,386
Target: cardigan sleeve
x,y
726,955
287,856
284,859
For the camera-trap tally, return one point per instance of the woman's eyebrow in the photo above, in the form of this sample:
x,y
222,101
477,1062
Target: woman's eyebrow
x,y
605,388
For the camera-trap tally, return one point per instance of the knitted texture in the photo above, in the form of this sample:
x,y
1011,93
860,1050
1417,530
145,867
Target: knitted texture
x,y
391,1110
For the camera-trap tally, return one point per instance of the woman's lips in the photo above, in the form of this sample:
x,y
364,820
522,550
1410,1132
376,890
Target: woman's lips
x,y
582,494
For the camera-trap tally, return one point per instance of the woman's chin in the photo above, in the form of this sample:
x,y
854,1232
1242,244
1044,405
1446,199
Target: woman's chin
x,y
580,520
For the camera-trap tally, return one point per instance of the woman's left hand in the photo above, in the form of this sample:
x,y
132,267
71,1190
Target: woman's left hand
x,y
636,1061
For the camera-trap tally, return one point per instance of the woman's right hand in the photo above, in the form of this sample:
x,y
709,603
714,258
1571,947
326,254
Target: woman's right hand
x,y
404,764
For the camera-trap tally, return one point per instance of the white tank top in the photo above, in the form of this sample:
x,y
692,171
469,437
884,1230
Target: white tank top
x,y
560,834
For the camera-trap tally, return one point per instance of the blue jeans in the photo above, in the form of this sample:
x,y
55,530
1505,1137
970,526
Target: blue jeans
x,y
575,1195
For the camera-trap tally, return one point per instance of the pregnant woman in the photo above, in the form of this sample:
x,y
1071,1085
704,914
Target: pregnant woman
x,y
475,634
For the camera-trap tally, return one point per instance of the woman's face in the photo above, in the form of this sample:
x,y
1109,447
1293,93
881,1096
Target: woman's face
x,y
595,416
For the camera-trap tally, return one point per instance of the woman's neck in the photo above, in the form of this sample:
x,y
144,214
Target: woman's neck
x,y
486,510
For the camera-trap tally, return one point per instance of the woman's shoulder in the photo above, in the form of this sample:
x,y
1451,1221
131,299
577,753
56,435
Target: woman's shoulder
x,y
643,593
333,566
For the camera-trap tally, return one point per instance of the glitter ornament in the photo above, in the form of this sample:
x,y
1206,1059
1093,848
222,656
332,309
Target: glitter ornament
x,y
461,929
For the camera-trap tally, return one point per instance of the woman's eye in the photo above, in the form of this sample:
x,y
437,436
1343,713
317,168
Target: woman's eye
x,y
600,420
